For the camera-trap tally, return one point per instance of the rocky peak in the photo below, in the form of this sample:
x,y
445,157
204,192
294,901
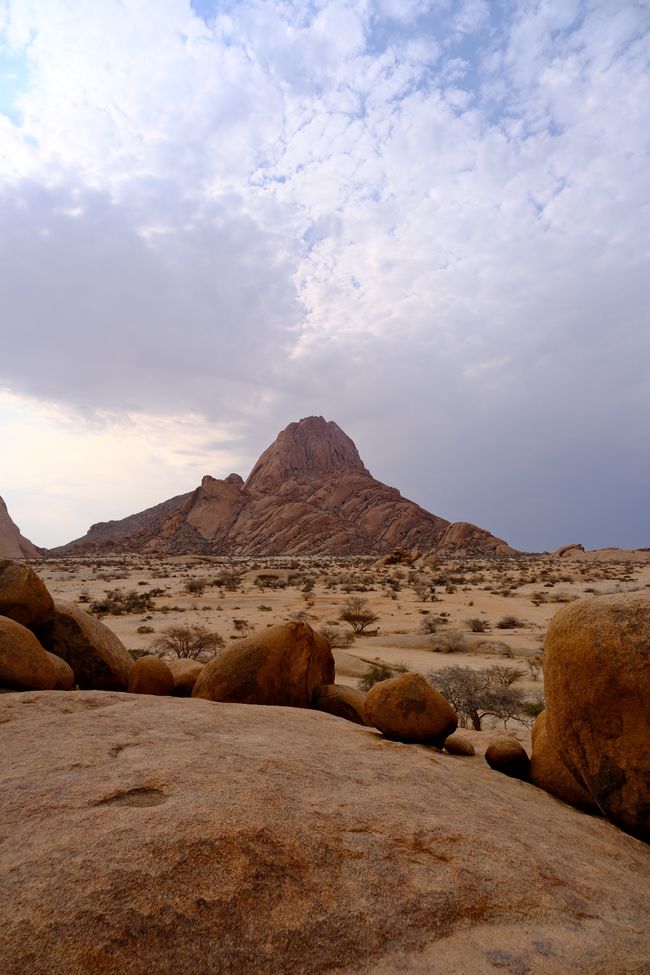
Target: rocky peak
x,y
313,446
13,545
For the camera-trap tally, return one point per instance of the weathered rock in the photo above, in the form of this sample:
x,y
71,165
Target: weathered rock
x,y
185,837
282,665
459,745
151,675
64,675
185,673
548,771
507,755
24,663
341,701
13,545
408,708
23,596
597,688
97,656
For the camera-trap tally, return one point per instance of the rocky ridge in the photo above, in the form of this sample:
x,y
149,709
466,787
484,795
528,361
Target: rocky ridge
x,y
309,492
13,545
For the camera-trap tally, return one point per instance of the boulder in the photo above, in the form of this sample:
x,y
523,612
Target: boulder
x,y
151,675
23,596
459,745
184,672
507,755
548,771
341,701
180,837
23,661
597,689
283,665
63,672
408,708
97,656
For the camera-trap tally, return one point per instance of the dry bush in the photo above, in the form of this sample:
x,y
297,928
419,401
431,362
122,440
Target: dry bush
x,y
338,639
355,611
188,642
452,641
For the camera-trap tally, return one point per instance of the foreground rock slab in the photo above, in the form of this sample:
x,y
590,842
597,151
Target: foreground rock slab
x,y
145,834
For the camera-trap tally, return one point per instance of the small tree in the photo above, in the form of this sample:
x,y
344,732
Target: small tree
x,y
355,612
477,693
189,642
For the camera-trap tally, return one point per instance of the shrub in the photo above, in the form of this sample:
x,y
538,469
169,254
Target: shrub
x,y
375,674
116,602
355,612
196,586
476,694
509,623
478,625
338,639
451,642
189,642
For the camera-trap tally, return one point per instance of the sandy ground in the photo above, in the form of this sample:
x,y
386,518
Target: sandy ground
x,y
243,596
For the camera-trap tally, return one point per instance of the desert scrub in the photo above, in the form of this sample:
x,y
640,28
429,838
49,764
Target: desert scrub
x,y
188,642
375,674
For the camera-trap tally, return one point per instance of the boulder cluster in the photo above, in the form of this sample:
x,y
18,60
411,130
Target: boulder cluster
x,y
589,747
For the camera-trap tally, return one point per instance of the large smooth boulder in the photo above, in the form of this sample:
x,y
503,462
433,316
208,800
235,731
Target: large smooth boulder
x,y
23,595
156,835
408,708
185,673
548,771
64,673
24,663
597,688
459,745
341,701
97,656
283,665
508,756
151,675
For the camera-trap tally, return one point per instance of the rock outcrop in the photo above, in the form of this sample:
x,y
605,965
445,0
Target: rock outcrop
x,y
548,771
148,835
185,673
151,675
597,690
283,665
309,492
342,701
13,545
508,756
409,709
23,661
97,656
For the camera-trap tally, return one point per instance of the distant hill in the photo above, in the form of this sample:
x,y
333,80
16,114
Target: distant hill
x,y
309,492
13,545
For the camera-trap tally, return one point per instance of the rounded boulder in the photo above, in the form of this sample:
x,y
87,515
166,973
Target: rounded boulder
x,y
508,756
63,671
97,656
185,673
409,709
459,745
23,595
151,675
24,664
342,701
282,666
597,688
548,771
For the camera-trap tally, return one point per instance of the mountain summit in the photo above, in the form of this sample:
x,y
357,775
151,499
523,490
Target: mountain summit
x,y
308,493
13,545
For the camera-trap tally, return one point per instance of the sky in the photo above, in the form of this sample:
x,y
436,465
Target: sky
x,y
427,220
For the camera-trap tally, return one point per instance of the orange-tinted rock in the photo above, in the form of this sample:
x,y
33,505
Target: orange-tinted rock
x,y
23,596
458,745
185,673
282,665
341,701
548,771
151,675
408,708
64,674
97,656
308,492
24,664
507,755
13,545
597,688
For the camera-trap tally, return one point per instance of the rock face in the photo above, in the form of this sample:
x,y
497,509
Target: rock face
x,y
409,709
97,656
597,689
151,675
23,596
281,666
23,661
548,771
341,701
13,545
235,839
308,492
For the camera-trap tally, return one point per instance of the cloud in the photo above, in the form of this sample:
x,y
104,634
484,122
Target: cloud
x,y
423,219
